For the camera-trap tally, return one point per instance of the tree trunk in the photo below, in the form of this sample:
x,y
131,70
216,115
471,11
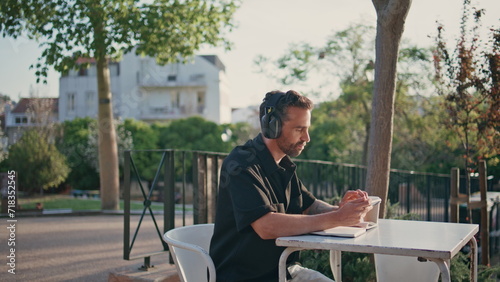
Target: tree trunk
x,y
391,16
108,149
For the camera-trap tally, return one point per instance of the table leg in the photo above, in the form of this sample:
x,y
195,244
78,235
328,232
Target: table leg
x,y
444,267
336,264
282,262
473,267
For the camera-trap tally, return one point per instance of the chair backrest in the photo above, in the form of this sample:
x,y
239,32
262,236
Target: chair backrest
x,y
189,247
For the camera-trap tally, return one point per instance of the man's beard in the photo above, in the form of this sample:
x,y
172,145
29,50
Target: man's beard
x,y
292,150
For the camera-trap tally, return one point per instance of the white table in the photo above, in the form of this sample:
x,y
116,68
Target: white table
x,y
435,241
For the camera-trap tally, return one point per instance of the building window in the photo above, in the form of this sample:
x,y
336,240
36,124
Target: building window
x,y
172,77
71,102
83,71
114,69
90,99
21,120
200,99
176,97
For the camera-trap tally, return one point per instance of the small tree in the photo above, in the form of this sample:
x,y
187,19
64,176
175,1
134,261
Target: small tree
x,y
39,164
469,80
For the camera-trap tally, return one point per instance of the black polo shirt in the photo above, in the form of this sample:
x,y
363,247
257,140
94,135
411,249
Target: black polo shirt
x,y
252,185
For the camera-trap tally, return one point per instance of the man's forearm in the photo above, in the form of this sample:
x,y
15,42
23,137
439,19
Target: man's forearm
x,y
320,207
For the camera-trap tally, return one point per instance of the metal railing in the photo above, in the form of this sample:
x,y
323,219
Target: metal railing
x,y
186,182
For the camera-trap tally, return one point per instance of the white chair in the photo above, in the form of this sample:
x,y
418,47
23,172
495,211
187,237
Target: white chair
x,y
391,268
189,247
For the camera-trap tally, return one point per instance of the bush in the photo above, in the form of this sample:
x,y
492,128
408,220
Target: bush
x,y
38,163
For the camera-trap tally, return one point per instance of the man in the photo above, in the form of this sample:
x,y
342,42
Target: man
x,y
261,197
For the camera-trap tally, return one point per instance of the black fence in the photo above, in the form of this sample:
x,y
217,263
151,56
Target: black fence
x,y
185,183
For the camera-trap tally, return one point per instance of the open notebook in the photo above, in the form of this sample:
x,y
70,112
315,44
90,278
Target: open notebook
x,y
347,231
359,229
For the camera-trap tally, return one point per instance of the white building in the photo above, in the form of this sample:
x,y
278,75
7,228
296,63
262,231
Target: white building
x,y
144,90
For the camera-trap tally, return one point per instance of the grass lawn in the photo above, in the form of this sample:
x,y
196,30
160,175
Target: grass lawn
x,y
76,204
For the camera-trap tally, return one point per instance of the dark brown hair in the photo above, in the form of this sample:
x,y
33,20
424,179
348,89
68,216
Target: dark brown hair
x,y
291,98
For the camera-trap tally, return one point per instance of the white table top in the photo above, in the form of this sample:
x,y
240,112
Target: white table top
x,y
395,237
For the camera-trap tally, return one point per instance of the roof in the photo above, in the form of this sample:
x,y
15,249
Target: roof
x,y
23,104
213,59
82,60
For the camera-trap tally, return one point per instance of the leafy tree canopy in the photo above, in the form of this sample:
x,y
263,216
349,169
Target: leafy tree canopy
x,y
144,137
194,133
74,144
39,163
468,78
169,30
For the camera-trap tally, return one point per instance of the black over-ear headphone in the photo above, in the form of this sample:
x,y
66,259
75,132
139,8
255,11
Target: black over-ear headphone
x,y
271,122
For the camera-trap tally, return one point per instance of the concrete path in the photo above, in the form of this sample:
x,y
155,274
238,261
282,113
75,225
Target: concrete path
x,y
75,248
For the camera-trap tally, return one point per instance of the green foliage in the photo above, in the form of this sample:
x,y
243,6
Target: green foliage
x,y
459,268
240,133
123,142
39,164
79,144
335,134
488,274
340,128
194,133
316,259
356,267
144,137
391,212
74,144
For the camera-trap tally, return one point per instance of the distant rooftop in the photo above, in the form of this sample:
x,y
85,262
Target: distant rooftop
x,y
23,104
215,61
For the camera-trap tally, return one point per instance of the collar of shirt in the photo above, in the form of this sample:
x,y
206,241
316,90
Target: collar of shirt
x,y
267,159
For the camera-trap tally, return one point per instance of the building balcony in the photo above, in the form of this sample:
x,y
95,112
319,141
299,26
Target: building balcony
x,y
171,81
163,113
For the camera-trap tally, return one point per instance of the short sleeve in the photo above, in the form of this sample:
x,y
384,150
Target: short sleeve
x,y
250,197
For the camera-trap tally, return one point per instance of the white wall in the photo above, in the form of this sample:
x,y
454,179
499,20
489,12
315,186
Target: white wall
x,y
143,91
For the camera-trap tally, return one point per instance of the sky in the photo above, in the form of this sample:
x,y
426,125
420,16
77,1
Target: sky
x,y
264,27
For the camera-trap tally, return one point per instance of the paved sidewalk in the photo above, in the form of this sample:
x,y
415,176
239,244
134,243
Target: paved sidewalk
x,y
75,248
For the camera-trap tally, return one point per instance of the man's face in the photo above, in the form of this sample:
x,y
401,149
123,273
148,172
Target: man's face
x,y
295,131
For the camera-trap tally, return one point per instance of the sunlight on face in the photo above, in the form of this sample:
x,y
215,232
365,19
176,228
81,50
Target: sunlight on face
x,y
295,131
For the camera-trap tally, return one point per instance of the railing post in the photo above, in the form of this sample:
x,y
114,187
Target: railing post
x,y
408,195
199,188
169,192
454,201
485,221
213,183
126,205
428,198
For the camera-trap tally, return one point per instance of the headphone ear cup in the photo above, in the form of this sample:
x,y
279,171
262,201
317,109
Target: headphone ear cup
x,y
274,127
264,125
